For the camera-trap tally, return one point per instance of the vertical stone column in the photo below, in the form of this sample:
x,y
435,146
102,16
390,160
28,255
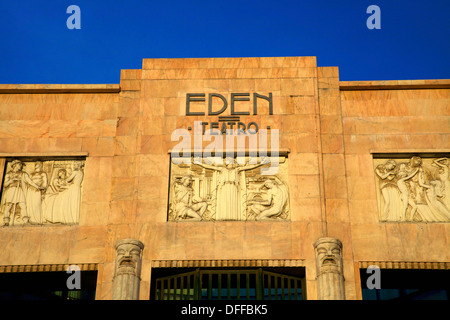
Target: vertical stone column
x,y
127,273
330,279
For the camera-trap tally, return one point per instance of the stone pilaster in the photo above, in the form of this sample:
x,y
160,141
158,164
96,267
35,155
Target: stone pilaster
x,y
330,279
127,273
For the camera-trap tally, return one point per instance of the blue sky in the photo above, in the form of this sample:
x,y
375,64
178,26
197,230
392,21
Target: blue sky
x,y
37,47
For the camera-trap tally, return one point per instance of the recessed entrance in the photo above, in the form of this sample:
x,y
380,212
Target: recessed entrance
x,y
228,284
46,286
410,284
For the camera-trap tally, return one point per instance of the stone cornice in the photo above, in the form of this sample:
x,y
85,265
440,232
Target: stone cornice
x,y
59,88
394,85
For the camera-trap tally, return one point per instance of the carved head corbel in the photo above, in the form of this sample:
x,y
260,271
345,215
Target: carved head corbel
x,y
328,255
128,257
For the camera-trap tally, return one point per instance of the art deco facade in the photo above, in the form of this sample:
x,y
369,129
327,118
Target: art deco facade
x,y
226,178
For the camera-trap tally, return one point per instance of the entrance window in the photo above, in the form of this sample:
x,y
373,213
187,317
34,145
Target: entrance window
x,y
409,284
229,284
46,286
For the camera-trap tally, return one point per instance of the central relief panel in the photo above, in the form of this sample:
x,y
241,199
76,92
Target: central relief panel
x,y
230,189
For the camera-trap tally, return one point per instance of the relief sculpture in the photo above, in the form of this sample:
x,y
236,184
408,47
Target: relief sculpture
x,y
272,206
227,191
415,189
41,192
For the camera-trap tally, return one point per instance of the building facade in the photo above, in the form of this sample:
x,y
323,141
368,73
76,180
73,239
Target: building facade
x,y
228,178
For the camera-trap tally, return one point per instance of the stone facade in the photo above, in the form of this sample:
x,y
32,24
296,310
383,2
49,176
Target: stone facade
x,y
332,136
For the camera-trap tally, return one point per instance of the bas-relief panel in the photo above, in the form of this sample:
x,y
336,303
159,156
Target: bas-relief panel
x,y
41,192
414,189
228,190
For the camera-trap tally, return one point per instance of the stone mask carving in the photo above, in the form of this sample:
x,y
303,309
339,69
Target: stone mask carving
x,y
328,255
330,279
128,258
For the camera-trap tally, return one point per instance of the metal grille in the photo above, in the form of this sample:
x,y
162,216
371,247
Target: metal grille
x,y
256,284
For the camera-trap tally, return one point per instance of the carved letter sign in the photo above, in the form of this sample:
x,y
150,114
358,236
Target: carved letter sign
x,y
235,97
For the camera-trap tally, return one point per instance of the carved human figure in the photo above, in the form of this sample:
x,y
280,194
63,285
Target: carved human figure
x,y
437,211
34,195
127,273
388,187
444,176
414,162
404,191
418,192
60,182
64,205
228,186
186,204
73,197
15,185
273,206
329,268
